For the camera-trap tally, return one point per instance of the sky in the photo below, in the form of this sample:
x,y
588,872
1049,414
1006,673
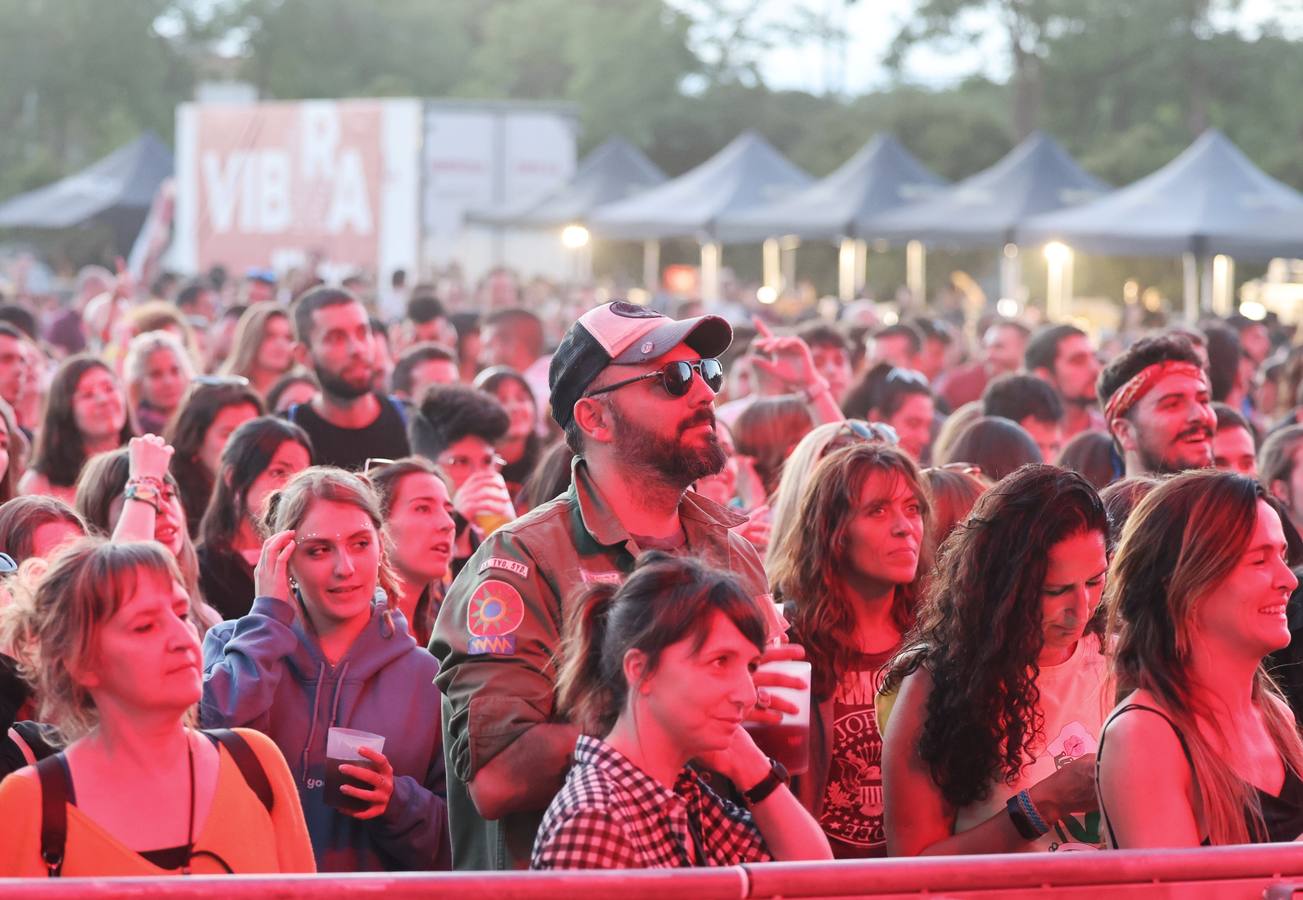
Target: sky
x,y
871,24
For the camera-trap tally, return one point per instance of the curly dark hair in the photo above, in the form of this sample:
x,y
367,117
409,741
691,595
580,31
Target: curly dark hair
x,y
1144,352
449,413
979,634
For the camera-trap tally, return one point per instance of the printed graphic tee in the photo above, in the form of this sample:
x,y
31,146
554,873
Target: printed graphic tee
x,y
1076,696
852,799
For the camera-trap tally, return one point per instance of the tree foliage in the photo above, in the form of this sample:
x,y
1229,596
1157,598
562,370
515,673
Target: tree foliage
x,y
1125,85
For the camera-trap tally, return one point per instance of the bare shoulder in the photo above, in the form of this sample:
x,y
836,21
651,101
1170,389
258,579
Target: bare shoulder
x,y
1142,740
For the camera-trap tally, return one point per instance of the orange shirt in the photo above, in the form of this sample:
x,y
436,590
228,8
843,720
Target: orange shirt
x,y
239,829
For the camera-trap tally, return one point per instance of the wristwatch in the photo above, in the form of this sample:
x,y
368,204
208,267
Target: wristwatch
x,y
777,776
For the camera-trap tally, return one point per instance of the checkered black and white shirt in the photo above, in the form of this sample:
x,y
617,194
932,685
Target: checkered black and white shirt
x,y
612,815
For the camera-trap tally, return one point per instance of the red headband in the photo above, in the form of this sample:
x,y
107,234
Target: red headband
x,y
1127,396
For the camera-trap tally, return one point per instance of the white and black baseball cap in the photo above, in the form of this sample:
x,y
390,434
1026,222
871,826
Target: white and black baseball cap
x,y
621,333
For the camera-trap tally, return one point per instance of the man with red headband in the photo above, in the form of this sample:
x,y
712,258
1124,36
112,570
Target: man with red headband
x,y
1158,408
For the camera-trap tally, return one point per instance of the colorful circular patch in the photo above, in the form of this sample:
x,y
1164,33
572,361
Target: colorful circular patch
x,y
496,608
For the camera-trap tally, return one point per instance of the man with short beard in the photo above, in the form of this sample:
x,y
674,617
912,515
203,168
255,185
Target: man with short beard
x,y
1062,356
1158,407
634,393
347,421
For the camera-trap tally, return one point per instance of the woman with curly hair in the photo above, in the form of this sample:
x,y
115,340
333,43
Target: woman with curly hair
x,y
1002,688
849,575
1204,748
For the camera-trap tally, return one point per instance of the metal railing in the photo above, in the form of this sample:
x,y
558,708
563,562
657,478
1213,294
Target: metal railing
x,y
1217,872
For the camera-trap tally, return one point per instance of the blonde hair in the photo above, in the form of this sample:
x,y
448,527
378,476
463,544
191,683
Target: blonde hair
x,y
135,364
159,315
250,332
52,625
287,508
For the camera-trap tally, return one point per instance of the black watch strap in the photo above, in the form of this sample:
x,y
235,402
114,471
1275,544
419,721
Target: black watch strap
x,y
777,776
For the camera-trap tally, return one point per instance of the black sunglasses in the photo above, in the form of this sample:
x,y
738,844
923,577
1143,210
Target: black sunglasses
x,y
676,377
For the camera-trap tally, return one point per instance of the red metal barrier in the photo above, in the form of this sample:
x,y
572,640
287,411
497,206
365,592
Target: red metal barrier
x,y
1220,872
1207,871
650,884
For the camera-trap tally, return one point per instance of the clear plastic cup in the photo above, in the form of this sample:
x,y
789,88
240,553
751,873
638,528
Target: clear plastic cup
x,y
342,746
788,741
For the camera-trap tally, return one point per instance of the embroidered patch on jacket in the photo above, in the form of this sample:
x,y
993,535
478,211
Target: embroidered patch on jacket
x,y
496,610
506,565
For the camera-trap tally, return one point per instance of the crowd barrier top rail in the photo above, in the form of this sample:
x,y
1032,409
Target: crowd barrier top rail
x,y
1248,871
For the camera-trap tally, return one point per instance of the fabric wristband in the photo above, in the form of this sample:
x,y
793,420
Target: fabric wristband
x,y
1026,818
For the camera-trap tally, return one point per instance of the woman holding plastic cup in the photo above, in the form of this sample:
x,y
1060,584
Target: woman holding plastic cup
x,y
657,672
322,651
849,574
456,428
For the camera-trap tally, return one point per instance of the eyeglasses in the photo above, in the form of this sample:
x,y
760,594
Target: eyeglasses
x,y
494,462
909,376
676,377
872,431
375,462
7,564
221,380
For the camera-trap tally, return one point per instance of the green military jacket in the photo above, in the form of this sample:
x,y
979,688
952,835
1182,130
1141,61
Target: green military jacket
x,y
498,634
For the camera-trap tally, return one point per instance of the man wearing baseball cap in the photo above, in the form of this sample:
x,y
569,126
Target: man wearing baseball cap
x,y
634,393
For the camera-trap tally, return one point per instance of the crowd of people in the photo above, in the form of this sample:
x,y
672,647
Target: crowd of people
x,y
516,579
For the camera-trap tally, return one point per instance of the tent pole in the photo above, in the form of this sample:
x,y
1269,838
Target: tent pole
x,y
787,262
1190,286
1206,285
861,266
846,261
1231,306
916,271
651,265
1223,277
710,253
1066,311
771,264
1010,272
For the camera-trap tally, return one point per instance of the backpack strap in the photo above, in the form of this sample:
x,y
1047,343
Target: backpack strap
x,y
398,408
247,761
53,775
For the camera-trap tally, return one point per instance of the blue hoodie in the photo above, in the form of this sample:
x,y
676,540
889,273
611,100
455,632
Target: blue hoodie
x,y
263,671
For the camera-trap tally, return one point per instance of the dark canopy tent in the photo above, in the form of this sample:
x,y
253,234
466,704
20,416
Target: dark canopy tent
x,y
1211,199
986,209
614,171
748,172
116,191
881,176
1277,234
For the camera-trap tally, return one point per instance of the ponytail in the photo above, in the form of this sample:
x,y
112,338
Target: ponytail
x,y
590,697
664,601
